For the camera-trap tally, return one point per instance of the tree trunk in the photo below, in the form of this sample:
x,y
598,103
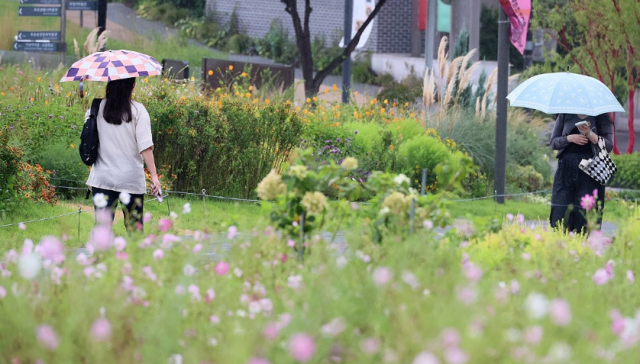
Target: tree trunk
x,y
632,135
616,151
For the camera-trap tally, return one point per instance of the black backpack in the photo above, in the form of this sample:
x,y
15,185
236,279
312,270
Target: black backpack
x,y
89,141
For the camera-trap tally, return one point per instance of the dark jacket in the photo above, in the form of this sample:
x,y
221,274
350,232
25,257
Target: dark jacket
x,y
565,124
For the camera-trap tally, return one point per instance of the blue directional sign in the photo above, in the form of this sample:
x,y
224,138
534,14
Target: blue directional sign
x,y
39,11
38,46
41,2
39,35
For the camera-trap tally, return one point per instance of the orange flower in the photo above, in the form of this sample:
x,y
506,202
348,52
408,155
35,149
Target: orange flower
x,y
335,87
250,88
72,146
391,147
267,101
210,73
230,67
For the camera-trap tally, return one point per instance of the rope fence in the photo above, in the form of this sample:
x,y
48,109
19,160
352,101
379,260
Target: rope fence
x,y
204,195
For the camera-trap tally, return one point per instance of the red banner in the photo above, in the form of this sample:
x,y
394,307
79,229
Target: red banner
x,y
518,12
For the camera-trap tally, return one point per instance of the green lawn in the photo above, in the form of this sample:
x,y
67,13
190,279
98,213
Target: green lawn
x,y
217,215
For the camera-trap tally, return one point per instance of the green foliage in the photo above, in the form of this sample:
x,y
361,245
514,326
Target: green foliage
x,y
361,68
461,48
421,152
523,179
407,90
9,165
66,168
323,54
276,44
628,174
226,148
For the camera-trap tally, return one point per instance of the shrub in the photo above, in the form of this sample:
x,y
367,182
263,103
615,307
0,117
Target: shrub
x,y
66,168
423,152
523,179
407,90
361,68
9,163
628,174
225,147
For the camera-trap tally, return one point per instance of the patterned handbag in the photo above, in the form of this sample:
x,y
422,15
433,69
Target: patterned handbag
x,y
600,167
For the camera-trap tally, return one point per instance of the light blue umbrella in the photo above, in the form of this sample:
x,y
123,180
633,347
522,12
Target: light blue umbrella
x,y
565,93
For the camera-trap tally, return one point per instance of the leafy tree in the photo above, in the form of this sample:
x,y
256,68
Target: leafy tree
x,y
303,40
598,36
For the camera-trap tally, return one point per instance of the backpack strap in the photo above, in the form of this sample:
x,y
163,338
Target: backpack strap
x,y
95,107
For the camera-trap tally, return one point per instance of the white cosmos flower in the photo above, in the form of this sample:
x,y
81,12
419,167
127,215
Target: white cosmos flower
x,y
125,198
29,265
100,200
536,305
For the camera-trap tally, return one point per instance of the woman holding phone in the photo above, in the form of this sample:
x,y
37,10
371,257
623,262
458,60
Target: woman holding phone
x,y
573,137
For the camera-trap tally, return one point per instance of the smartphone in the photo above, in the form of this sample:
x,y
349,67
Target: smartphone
x,y
583,122
159,195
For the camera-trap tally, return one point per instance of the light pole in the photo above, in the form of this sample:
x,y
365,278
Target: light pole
x,y
501,112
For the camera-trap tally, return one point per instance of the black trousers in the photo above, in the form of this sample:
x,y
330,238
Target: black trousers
x,y
569,186
133,211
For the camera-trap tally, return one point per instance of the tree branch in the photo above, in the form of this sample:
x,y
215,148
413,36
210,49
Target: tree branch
x,y
307,14
351,46
565,44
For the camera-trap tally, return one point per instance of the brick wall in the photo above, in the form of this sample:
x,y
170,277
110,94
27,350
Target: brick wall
x,y
394,27
327,17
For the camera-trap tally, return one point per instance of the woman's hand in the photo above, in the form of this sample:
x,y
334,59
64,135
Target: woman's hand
x,y
585,129
155,185
577,139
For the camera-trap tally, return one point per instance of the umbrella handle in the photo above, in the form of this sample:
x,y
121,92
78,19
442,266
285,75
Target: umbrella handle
x,y
81,89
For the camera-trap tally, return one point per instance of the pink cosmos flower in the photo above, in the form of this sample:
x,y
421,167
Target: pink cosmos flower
x,y
382,276
467,295
510,217
197,248
455,355
598,241
180,290
120,243
164,224
211,295
89,271
301,347
601,277
450,337
158,254
587,202
291,243
258,361
271,331
334,327
370,345
526,256
101,329
3,292
222,268
520,219
560,312
630,276
52,249
232,233
214,319
515,287
101,237
147,217
617,322
427,224
188,270
473,272
47,337
22,226
425,358
533,335
122,255
168,240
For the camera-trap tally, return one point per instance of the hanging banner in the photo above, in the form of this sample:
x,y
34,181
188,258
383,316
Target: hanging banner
x,y
361,11
518,12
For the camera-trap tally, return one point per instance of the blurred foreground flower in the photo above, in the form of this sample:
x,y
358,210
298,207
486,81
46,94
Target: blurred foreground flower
x,y
301,347
314,202
47,337
271,186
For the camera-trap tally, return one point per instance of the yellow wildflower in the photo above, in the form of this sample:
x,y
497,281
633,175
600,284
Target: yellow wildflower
x,y
210,73
335,87
230,67
308,100
267,101
250,88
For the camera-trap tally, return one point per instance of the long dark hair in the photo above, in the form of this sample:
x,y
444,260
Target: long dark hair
x,y
118,105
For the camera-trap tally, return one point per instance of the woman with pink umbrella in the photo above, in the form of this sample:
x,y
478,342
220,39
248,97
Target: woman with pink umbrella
x,y
125,141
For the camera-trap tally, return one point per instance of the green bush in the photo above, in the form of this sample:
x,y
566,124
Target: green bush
x,y
628,174
407,90
361,68
523,179
405,129
225,147
423,152
276,44
9,159
66,168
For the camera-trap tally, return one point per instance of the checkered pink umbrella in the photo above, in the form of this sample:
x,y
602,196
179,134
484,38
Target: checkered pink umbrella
x,y
112,65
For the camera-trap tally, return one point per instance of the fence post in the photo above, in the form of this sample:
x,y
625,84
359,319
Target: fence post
x,y
79,212
204,192
424,182
495,201
412,218
301,247
168,206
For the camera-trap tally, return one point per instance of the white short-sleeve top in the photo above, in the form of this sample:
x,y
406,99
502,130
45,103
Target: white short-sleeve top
x,y
120,166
